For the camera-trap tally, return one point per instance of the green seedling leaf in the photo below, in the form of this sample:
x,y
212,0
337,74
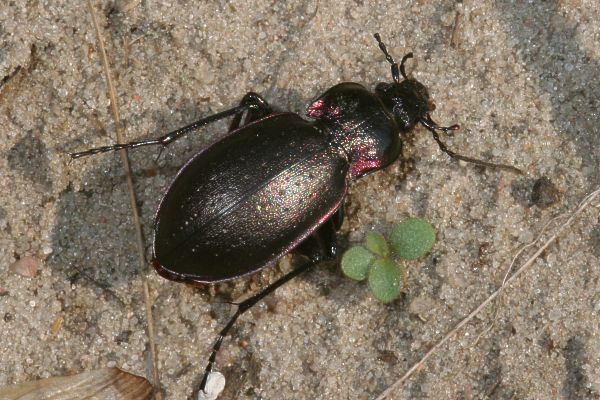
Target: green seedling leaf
x,y
385,280
376,244
412,238
356,261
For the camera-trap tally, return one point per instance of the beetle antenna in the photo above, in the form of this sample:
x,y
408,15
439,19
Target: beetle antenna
x,y
390,59
406,57
434,127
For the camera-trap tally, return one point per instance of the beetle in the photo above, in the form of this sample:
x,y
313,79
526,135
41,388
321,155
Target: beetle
x,y
276,183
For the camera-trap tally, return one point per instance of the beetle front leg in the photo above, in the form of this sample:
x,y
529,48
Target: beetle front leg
x,y
433,127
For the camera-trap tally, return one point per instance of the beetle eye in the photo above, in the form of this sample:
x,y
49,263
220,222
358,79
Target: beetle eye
x,y
430,105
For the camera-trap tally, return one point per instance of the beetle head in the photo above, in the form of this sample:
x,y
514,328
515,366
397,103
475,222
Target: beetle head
x,y
408,100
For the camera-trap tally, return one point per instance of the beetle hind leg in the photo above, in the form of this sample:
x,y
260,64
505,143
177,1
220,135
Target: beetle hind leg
x,y
321,245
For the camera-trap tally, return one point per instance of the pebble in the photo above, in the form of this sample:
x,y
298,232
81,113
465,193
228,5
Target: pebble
x,y
26,266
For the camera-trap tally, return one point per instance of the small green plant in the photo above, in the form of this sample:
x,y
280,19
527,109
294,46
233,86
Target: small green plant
x,y
377,262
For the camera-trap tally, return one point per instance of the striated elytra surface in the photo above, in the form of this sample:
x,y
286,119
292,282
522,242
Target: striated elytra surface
x,y
248,199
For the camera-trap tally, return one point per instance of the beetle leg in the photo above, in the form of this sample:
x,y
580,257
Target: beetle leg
x,y
243,307
434,127
321,245
338,217
256,108
169,137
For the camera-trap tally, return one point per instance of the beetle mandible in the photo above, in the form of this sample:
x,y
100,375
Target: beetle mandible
x,y
277,182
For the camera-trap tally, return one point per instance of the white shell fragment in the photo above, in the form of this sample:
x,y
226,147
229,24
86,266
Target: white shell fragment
x,y
214,386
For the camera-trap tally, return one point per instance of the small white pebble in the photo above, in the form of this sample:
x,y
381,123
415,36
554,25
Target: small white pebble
x,y
554,315
214,386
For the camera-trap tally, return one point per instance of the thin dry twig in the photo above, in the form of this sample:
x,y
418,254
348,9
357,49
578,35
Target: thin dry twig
x,y
132,201
509,269
582,206
454,36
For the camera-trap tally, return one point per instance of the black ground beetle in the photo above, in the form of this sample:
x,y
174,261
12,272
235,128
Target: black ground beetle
x,y
277,182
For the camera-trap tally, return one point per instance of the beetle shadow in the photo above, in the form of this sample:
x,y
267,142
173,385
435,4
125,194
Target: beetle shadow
x,y
574,103
94,234
94,237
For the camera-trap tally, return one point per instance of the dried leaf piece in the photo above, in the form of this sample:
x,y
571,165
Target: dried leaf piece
x,y
101,384
56,325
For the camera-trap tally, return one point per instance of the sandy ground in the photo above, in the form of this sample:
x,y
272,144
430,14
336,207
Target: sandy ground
x,y
522,80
